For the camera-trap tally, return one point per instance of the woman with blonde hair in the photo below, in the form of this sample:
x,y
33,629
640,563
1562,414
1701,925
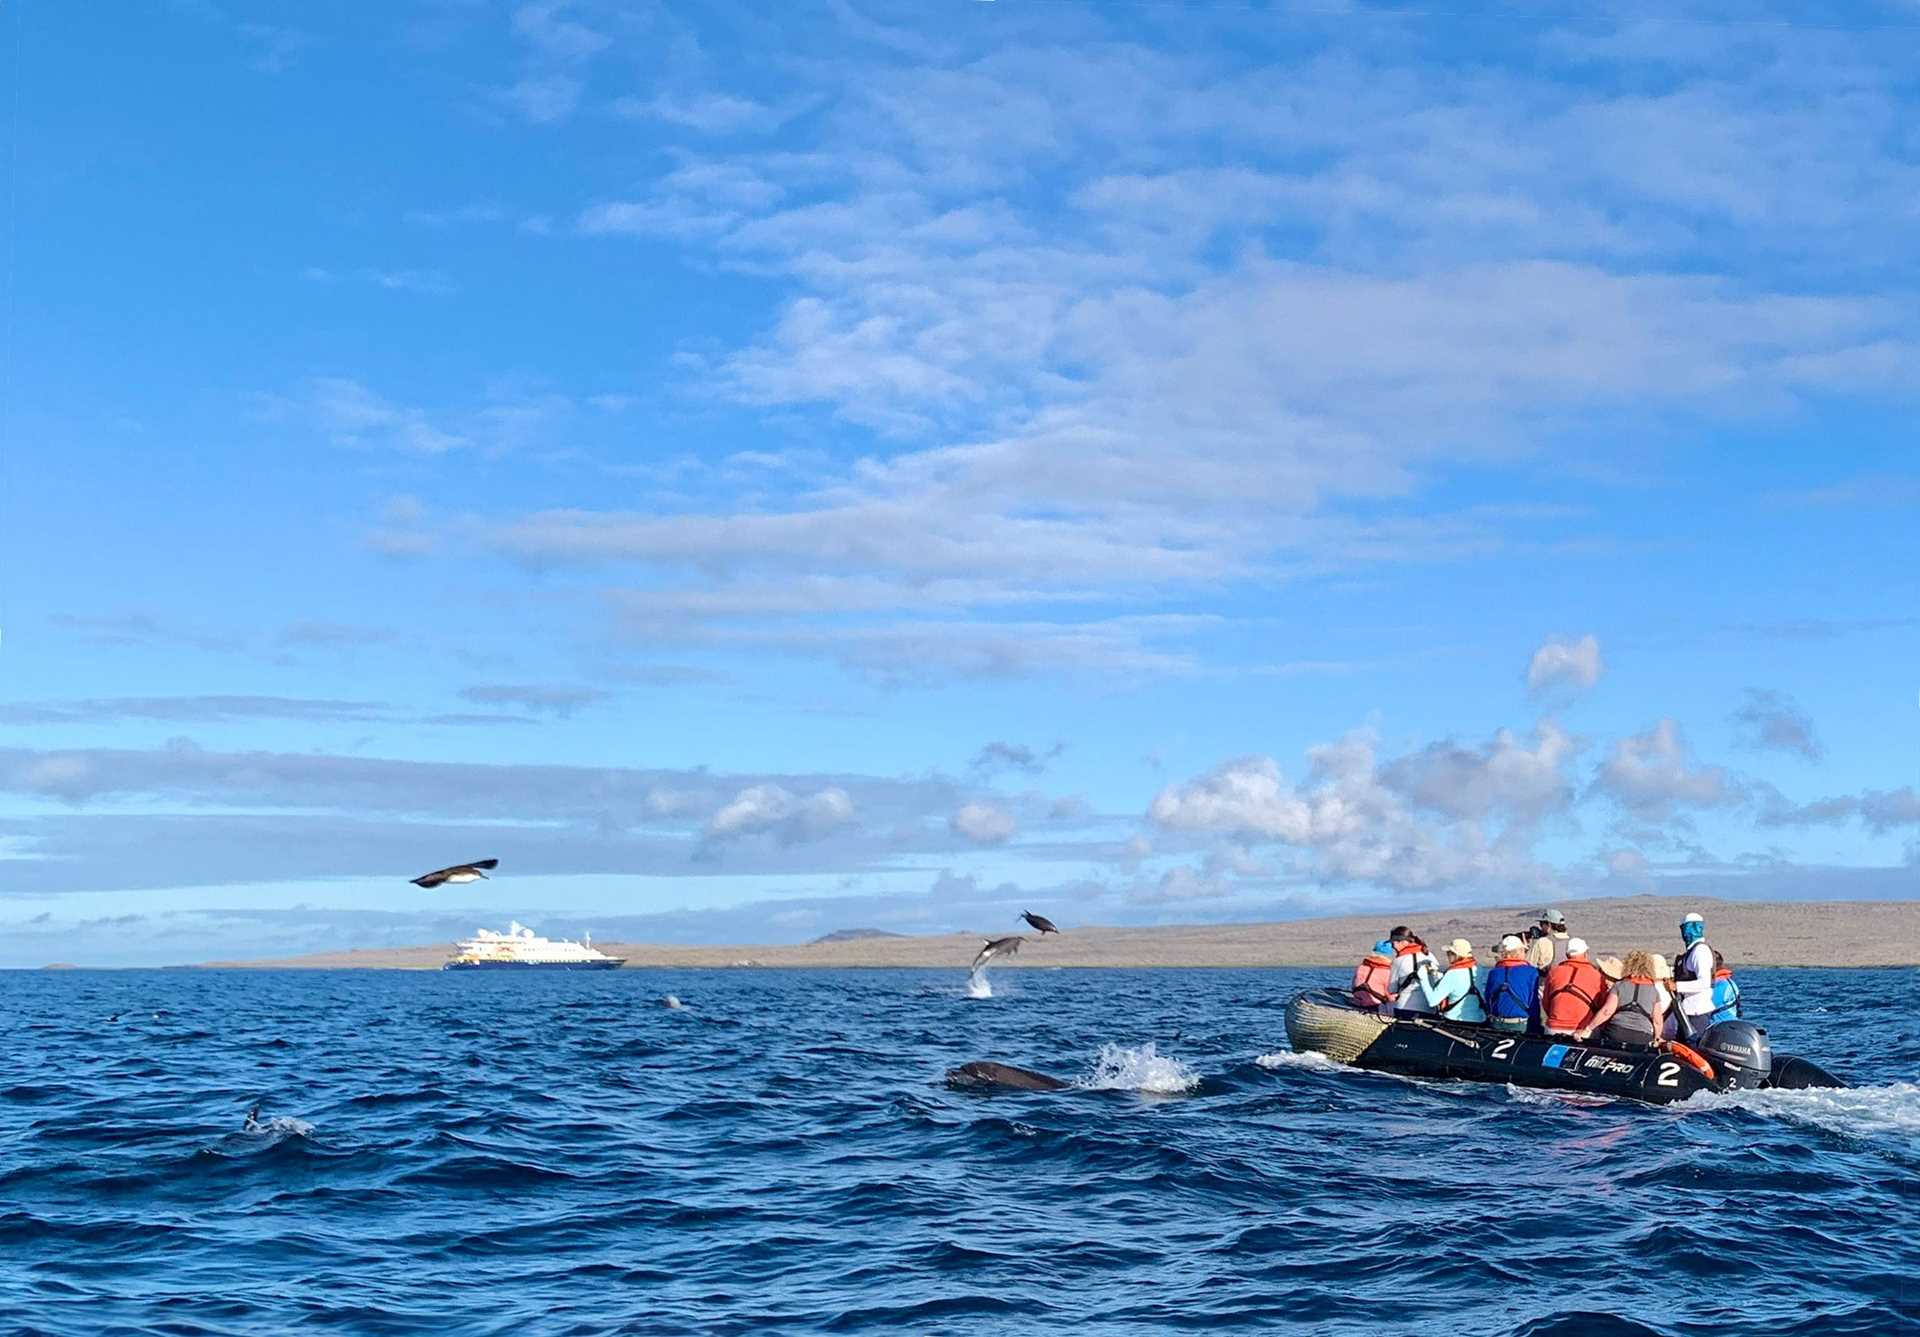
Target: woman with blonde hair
x,y
1663,977
1632,1013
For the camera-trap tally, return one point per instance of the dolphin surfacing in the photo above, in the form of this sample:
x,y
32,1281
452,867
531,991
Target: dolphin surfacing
x,y
986,1076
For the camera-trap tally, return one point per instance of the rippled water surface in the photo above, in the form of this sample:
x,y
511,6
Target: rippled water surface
x,y
562,1153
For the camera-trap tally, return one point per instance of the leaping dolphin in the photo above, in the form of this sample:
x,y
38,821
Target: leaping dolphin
x,y
1039,922
997,947
460,872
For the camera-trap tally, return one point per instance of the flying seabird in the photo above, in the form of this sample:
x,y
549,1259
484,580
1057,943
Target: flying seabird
x,y
1040,922
997,947
460,872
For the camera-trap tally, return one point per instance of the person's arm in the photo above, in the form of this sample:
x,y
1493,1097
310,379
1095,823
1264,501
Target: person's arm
x,y
1607,1009
1659,1015
1442,992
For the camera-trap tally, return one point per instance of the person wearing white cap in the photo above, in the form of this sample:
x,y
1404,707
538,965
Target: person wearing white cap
x,y
1571,991
1693,977
1511,991
1455,992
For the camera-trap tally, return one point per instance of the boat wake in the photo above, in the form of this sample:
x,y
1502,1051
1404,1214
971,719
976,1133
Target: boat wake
x,y
1306,1058
1139,1068
1527,1095
1890,1112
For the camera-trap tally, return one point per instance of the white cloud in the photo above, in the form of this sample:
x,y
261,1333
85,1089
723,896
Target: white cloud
x,y
1653,775
1360,822
982,823
1563,662
772,809
1502,775
1245,797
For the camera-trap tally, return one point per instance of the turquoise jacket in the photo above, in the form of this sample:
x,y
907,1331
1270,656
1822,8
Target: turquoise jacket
x,y
1459,990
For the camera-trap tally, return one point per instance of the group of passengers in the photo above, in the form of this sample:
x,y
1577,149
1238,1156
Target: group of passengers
x,y
1544,982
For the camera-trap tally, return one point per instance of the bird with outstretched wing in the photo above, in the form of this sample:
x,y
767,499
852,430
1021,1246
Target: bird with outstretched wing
x,y
458,873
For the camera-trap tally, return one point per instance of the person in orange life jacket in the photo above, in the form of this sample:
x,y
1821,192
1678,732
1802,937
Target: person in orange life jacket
x,y
1693,977
1455,992
1633,1011
1726,994
1512,990
1371,975
1410,960
1570,992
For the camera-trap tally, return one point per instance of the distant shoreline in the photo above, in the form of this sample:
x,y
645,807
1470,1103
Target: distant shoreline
x,y
1839,934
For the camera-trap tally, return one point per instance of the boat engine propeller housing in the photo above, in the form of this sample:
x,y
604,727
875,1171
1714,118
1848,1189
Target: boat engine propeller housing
x,y
1739,1053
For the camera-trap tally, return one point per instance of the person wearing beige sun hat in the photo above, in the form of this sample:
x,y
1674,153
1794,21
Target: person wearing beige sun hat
x,y
1454,993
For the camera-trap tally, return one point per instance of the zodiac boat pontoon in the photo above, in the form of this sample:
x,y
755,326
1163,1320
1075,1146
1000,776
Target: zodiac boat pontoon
x,y
1731,1055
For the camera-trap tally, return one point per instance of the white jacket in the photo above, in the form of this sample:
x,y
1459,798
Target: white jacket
x,y
1696,994
1404,981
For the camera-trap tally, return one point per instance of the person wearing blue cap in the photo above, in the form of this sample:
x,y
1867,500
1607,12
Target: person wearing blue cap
x,y
1693,977
1371,988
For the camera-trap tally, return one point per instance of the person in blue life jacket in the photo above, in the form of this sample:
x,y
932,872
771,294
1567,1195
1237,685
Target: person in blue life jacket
x,y
1725,993
1453,993
1512,990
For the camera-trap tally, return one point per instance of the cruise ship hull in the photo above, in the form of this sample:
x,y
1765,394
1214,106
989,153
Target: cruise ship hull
x,y
610,963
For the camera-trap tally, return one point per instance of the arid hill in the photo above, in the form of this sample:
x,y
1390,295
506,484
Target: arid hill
x,y
1749,933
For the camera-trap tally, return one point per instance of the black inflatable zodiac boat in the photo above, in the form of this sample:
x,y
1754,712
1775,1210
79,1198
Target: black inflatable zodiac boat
x,y
1732,1055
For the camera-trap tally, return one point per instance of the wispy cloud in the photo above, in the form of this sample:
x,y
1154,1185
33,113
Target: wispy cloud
x,y
1772,720
275,49
539,698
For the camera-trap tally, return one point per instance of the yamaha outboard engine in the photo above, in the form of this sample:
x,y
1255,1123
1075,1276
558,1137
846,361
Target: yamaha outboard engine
x,y
1739,1053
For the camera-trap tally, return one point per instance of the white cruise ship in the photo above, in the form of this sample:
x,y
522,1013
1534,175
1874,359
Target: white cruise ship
x,y
520,948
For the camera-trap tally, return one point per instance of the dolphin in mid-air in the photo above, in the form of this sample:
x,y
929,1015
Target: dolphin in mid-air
x,y
1039,922
460,872
253,1124
986,1076
997,947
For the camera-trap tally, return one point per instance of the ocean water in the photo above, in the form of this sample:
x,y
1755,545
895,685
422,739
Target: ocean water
x,y
555,1153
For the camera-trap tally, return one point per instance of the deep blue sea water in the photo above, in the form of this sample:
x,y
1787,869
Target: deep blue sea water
x,y
555,1153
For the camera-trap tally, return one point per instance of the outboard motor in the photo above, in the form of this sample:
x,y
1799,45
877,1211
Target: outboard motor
x,y
1739,1053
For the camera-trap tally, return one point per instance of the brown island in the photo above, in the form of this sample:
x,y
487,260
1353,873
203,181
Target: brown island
x,y
1748,933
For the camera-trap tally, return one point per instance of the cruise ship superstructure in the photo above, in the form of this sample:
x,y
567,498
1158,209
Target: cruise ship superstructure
x,y
520,948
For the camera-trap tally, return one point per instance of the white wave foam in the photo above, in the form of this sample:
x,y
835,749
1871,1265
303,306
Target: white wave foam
x,y
1853,1111
281,1125
977,986
1140,1068
1287,1058
1528,1095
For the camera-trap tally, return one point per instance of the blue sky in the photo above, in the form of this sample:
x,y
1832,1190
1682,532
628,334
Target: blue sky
x,y
762,470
